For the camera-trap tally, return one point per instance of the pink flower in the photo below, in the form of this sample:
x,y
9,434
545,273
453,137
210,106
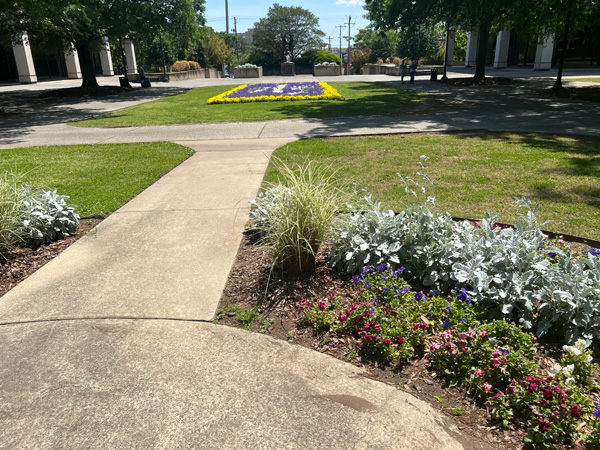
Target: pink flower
x,y
479,373
448,334
367,326
486,387
343,318
358,319
483,334
543,426
354,306
495,362
464,349
435,346
358,291
386,342
423,325
322,306
348,311
449,346
368,337
400,340
463,336
387,310
548,394
377,326
532,388
496,354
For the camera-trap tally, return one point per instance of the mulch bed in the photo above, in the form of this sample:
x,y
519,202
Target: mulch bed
x,y
22,262
591,93
252,284
86,92
487,81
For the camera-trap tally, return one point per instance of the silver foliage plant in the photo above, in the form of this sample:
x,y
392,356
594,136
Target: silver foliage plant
x,y
503,268
48,217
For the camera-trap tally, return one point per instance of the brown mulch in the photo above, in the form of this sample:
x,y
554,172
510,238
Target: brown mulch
x,y
591,93
85,92
22,262
487,81
252,284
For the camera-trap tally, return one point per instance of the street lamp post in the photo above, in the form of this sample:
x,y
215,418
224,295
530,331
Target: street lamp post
x,y
445,76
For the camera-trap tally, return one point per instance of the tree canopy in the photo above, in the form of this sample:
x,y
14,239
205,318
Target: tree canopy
x,y
83,22
287,28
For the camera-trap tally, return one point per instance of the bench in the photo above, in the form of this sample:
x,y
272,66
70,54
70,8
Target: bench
x,y
145,83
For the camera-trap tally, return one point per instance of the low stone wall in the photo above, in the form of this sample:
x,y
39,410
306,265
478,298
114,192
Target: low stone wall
x,y
248,72
377,69
394,71
327,71
187,75
211,73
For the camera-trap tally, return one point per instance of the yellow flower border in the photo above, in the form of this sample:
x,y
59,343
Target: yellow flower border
x,y
329,93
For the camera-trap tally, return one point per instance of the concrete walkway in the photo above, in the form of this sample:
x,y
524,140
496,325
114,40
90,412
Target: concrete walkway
x,y
111,344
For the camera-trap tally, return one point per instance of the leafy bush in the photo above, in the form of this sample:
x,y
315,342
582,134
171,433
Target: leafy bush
x,y
11,212
296,219
48,217
507,270
261,58
194,65
314,57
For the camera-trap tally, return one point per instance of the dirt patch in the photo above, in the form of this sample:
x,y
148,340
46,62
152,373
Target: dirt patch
x,y
487,81
86,92
22,262
252,285
591,93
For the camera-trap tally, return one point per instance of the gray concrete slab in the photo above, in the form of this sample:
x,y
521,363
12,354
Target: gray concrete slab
x,y
134,384
166,253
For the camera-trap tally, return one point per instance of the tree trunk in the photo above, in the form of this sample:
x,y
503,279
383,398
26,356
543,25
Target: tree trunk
x,y
86,63
482,46
561,62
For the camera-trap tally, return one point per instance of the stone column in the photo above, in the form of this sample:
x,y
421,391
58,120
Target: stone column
x,y
106,58
543,54
72,62
502,42
471,57
450,49
130,55
24,60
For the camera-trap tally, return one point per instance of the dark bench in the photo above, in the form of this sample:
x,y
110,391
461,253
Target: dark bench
x,y
145,83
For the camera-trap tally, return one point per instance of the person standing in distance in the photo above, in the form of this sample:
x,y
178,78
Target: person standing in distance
x,y
413,69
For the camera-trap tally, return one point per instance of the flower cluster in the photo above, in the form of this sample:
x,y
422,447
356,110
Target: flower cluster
x,y
267,92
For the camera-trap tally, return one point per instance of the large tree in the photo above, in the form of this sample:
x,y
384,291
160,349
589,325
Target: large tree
x,y
82,23
287,29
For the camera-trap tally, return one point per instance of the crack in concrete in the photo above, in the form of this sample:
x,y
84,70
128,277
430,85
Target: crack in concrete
x,y
89,318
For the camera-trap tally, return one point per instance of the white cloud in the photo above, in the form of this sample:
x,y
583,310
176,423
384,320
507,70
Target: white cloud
x,y
350,2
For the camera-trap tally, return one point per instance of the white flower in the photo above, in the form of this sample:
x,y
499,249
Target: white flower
x,y
552,371
569,380
573,351
569,368
581,344
588,359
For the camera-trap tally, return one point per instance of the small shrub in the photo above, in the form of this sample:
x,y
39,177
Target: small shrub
x,y
194,65
180,66
12,212
397,61
314,57
297,220
48,217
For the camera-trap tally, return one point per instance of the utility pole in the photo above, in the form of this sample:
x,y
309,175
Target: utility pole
x,y
329,38
348,63
237,53
227,31
341,58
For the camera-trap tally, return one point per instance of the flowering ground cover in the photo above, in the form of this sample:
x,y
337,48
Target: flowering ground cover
x,y
269,92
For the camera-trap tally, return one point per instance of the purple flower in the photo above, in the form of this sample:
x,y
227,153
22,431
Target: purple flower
x,y
356,278
366,285
597,412
593,252
381,267
404,290
446,323
419,296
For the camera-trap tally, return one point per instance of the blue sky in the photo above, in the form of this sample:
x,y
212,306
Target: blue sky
x,y
329,12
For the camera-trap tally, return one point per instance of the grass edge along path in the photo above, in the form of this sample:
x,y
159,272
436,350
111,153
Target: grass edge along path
x,y
472,173
367,99
98,178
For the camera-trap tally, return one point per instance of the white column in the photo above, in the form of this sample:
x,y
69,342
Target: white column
x,y
450,49
543,54
471,58
130,56
502,42
105,57
72,62
24,60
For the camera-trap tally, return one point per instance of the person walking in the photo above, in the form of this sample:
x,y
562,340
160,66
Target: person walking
x,y
403,71
413,69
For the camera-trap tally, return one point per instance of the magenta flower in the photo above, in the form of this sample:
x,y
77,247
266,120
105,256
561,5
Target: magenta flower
x,y
486,387
322,306
386,342
400,340
343,318
479,373
575,411
435,346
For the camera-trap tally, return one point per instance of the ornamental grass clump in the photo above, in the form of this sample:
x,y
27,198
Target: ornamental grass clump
x,y
12,212
295,217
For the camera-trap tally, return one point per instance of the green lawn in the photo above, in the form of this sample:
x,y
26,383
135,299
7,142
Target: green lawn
x,y
98,178
191,107
588,80
473,173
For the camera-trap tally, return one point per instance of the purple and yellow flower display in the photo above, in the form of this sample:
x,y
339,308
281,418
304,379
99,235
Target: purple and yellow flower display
x,y
268,92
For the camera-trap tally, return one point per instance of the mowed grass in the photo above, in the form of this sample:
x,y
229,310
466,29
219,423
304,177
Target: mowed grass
x,y
97,178
587,80
191,107
473,173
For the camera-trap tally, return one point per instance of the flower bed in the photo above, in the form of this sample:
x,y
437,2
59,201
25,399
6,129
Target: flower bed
x,y
269,92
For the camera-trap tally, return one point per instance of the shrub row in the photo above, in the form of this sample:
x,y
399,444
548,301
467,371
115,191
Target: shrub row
x,y
183,66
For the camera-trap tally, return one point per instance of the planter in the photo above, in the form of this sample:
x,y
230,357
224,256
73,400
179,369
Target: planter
x,y
327,71
372,69
248,72
187,75
394,71
211,73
